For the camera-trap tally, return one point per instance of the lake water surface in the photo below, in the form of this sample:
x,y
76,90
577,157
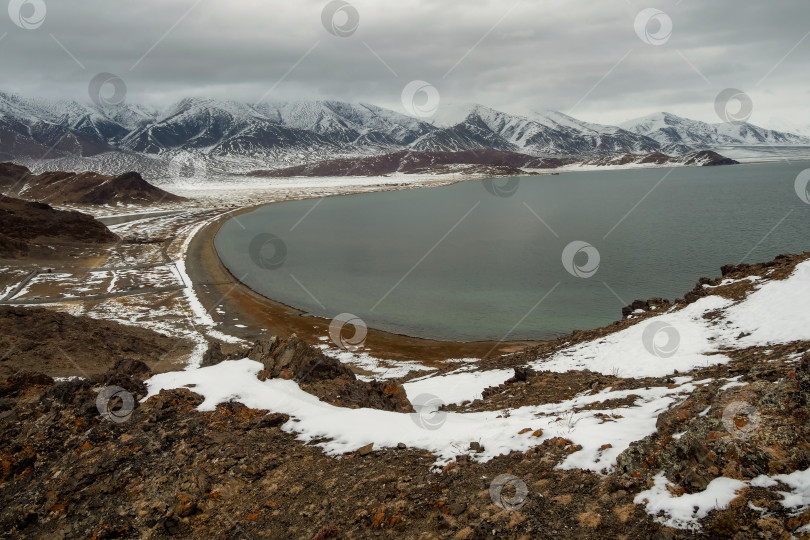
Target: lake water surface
x,y
479,260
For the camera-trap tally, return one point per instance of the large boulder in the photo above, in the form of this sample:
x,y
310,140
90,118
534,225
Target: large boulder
x,y
325,377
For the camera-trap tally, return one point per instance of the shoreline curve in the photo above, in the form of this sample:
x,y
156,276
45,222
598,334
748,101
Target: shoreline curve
x,y
261,317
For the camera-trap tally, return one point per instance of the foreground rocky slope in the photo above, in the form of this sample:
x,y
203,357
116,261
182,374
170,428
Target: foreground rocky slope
x,y
724,457
60,345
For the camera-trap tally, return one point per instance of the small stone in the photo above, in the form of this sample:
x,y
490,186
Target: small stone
x,y
402,446
458,508
476,447
365,450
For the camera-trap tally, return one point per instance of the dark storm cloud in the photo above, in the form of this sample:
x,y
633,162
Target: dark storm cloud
x,y
542,54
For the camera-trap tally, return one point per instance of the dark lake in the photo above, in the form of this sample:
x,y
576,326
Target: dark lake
x,y
484,260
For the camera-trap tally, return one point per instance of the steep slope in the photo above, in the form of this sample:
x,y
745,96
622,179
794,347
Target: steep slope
x,y
11,176
471,134
15,144
54,343
706,440
219,128
69,127
342,122
667,128
781,124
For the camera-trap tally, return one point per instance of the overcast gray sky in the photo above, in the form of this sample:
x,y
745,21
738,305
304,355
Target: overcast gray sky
x,y
581,57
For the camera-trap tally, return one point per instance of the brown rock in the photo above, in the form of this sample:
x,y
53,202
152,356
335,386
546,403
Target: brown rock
x,y
326,377
213,355
365,450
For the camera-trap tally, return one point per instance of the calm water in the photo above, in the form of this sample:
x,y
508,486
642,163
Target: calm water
x,y
411,262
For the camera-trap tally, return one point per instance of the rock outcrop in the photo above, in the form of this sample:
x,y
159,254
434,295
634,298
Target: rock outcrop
x,y
325,376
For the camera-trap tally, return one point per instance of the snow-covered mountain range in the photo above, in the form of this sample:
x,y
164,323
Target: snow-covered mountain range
x,y
670,129
229,136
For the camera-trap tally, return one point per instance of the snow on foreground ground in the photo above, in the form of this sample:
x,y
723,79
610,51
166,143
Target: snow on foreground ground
x,y
774,313
684,512
445,433
681,340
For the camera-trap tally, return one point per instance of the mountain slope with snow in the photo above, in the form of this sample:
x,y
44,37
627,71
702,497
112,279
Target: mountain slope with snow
x,y
549,133
667,128
236,136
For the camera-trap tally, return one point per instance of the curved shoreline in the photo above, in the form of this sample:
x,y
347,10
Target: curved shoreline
x,y
262,317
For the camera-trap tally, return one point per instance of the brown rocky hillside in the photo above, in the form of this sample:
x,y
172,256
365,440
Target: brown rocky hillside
x,y
25,224
81,188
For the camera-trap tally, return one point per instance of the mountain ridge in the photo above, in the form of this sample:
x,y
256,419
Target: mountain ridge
x,y
668,128
284,134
